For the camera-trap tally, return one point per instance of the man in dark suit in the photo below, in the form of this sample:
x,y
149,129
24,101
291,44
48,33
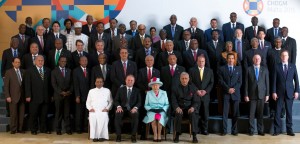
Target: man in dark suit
x,y
29,30
190,56
132,31
14,93
101,70
162,59
89,28
184,45
174,31
81,83
99,35
50,44
289,44
285,88
161,44
23,39
120,69
264,45
248,59
116,42
252,31
40,39
61,81
197,33
230,27
240,45
137,40
274,32
185,102
230,79
99,44
143,52
9,54
54,54
46,24
78,53
257,92
213,26
28,59
127,103
38,94
112,30
203,78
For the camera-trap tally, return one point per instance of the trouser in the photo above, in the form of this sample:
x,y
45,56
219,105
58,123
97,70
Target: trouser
x,y
281,101
17,111
38,110
62,112
134,121
235,113
256,107
193,118
81,117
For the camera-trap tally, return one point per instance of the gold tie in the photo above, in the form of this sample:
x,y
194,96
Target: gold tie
x,y
142,39
201,74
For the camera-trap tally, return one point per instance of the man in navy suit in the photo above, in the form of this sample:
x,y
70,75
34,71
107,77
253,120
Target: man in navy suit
x,y
289,44
162,59
214,26
112,30
89,28
174,31
143,52
264,45
99,35
253,30
230,27
138,39
23,39
40,39
274,32
184,44
285,88
78,53
197,33
133,31
240,45
50,43
230,79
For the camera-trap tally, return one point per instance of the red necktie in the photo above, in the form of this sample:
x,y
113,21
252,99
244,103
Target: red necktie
x,y
163,45
195,55
42,42
124,68
149,75
63,72
84,72
172,70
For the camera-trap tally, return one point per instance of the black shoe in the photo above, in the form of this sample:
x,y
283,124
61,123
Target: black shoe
x,y
69,132
133,139
58,132
223,134
13,132
205,133
272,115
118,138
48,132
291,134
176,140
275,134
261,133
158,140
101,140
234,133
143,137
251,133
34,133
195,140
78,132
21,131
95,140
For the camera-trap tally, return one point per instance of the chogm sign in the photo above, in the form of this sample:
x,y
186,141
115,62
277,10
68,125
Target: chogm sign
x,y
253,7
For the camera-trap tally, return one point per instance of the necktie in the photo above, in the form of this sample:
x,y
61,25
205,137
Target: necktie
x,y
195,55
56,35
23,38
41,73
285,70
15,53
124,68
215,44
100,37
172,70
230,70
46,31
201,74
104,72
19,76
186,45
128,99
42,42
33,59
233,26
254,31
121,36
173,31
276,32
84,72
262,45
57,57
239,49
163,45
283,41
63,72
256,73
90,28
112,33
149,75
142,40
133,33
80,54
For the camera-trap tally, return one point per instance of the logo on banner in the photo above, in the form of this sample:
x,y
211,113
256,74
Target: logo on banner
x,y
253,7
59,10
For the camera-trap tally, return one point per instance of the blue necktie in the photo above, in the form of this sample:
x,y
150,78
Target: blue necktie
x,y
256,73
173,31
230,70
15,53
133,33
276,32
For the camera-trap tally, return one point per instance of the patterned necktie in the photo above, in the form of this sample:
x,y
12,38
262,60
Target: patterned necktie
x,y
80,54
142,40
15,53
41,73
128,99
19,76
23,38
262,45
112,34
186,45
42,42
124,68
57,57
63,72
99,37
163,45
256,73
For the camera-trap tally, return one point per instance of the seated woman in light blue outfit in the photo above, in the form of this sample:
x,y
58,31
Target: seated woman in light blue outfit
x,y
156,105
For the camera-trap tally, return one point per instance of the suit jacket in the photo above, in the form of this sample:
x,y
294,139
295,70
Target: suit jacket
x,y
94,37
27,61
7,59
228,32
97,72
162,59
245,47
248,59
257,89
207,35
108,31
116,44
206,83
142,80
24,47
50,44
81,84
94,58
188,58
177,35
121,98
52,55
42,49
199,36
117,72
180,46
158,46
185,99
86,30
227,80
270,35
30,32
61,83
76,58
291,45
267,45
141,55
284,85
136,42
249,32
36,88
12,87
273,58
214,53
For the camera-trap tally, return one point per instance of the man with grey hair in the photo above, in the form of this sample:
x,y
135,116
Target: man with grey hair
x,y
240,45
138,40
163,56
196,32
132,31
40,39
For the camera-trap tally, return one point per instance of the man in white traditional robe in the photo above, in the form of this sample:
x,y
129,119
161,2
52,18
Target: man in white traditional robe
x,y
78,35
98,103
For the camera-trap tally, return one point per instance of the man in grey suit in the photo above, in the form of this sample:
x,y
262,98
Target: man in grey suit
x,y
257,93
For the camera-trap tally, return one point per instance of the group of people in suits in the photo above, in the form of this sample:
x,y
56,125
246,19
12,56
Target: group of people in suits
x,y
183,69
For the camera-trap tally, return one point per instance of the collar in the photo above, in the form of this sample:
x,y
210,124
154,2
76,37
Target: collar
x,y
16,69
187,41
61,68
285,63
201,68
35,54
21,35
169,52
38,68
82,68
14,49
58,50
124,62
142,35
233,23
173,25
256,66
129,88
174,66
149,68
277,48
215,41
79,52
102,65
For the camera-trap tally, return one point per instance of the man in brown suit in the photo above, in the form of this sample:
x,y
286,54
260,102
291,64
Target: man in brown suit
x,y
15,96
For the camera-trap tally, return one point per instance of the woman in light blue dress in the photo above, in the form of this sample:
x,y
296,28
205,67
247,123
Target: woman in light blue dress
x,y
156,105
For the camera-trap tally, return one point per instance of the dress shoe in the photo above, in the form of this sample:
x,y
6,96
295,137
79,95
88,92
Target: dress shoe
x,y
101,140
195,140
158,140
154,140
118,138
275,134
251,133
291,134
69,132
13,132
223,134
261,133
95,140
48,132
143,137
176,140
133,139
205,133
21,131
234,133
34,133
58,132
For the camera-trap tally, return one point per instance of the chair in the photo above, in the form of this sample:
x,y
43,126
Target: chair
x,y
148,128
184,121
